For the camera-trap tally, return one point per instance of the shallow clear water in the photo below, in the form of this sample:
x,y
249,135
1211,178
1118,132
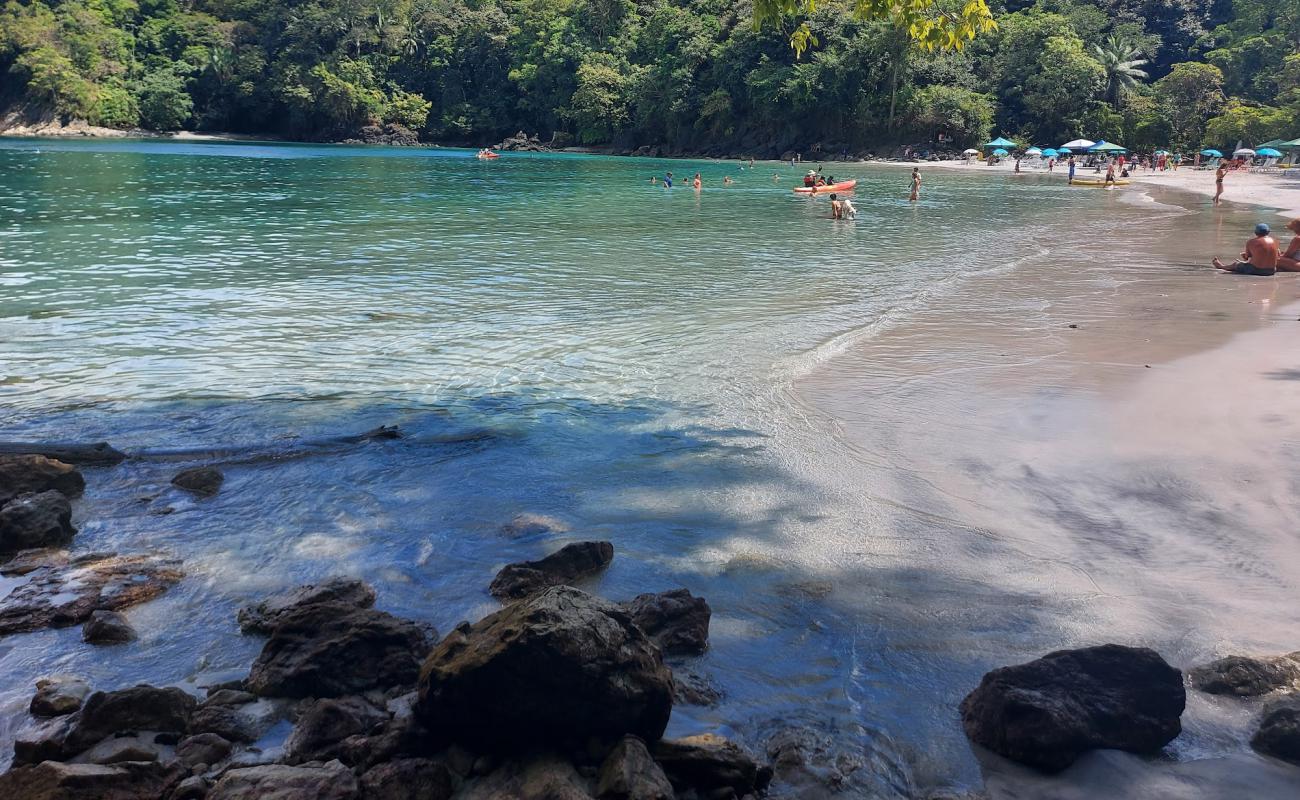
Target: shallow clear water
x,y
556,336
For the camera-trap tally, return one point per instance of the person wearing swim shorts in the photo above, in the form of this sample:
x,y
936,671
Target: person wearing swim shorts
x,y
1260,258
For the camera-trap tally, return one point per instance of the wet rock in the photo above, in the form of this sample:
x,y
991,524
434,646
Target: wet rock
x,y
62,591
408,779
629,773
45,741
326,723
331,781
23,474
194,787
129,747
1279,732
228,722
140,708
399,737
107,627
807,763
36,520
264,616
200,481
1244,676
569,563
57,695
708,763
203,748
540,778
52,780
329,650
693,689
229,697
677,621
1048,712
526,525
561,667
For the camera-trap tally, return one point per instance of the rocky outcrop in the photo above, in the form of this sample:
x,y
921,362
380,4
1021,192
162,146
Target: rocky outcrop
x,y
200,481
1244,676
324,725
34,519
264,616
107,627
677,621
1048,712
569,563
330,650
408,779
57,695
709,763
522,142
33,474
52,780
331,781
62,591
629,773
561,667
139,708
1279,732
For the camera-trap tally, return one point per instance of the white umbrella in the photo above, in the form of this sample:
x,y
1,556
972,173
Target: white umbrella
x,y
1033,151
1243,151
970,151
1079,144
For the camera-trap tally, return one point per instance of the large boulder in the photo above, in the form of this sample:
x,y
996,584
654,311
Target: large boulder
x,y
569,563
34,519
62,590
203,748
329,650
629,773
51,780
708,763
200,481
32,473
1048,712
107,627
326,723
408,779
1279,732
139,708
44,741
546,777
559,668
675,620
264,616
331,781
57,695
1245,676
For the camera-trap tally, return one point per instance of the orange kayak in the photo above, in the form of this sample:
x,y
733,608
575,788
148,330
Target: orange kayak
x,y
488,155
842,186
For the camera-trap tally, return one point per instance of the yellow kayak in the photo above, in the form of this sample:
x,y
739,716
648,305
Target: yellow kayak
x,y
1098,182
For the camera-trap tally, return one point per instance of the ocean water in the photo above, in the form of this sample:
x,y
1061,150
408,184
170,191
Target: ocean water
x,y
555,336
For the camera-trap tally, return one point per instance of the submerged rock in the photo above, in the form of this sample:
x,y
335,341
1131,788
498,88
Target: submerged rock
x,y
676,620
200,481
107,627
139,708
629,773
567,564
1048,712
559,668
693,689
23,474
264,616
523,525
51,780
33,519
1244,676
62,591
331,781
58,694
709,763
329,650
808,763
1279,732
408,779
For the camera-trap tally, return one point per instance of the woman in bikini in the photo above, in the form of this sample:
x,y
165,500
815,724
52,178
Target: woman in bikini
x,y
1218,182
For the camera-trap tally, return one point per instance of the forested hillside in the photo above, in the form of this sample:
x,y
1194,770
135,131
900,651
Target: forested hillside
x,y
688,75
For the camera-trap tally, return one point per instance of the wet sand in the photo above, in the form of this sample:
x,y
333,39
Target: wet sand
x,y
1097,446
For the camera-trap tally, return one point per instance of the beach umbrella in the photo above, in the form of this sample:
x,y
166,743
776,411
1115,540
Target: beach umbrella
x,y
1210,152
1107,147
1064,151
1000,142
1292,143
1077,144
1276,144
1049,152
970,151
999,152
1162,152
1033,151
1243,151
1268,152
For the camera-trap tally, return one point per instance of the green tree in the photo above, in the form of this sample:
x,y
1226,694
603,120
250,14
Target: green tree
x,y
964,115
1190,94
1056,94
1119,58
164,104
1250,124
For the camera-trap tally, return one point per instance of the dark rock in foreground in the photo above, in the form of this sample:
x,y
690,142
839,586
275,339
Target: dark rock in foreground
x,y
629,773
331,781
329,650
567,564
324,726
676,620
1048,712
200,481
264,616
710,763
559,668
36,520
408,779
1244,676
107,627
52,780
57,695
1279,733
23,474
139,708
63,591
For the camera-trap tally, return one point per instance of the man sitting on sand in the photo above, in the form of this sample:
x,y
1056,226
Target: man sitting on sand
x,y
1260,258
1290,260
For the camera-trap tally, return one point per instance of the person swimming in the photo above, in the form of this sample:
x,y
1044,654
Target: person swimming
x,y
1260,258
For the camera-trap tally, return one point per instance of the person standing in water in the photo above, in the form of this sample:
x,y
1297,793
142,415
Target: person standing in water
x,y
916,184
836,209
1260,258
668,180
696,182
1071,164
1219,175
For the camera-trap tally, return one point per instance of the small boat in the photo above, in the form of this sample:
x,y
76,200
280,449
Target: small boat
x,y
842,186
1098,182
488,154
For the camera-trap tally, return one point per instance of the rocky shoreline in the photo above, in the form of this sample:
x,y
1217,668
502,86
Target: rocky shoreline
x,y
558,694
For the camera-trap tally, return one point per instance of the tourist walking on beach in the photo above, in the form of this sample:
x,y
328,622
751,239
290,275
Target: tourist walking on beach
x,y
1071,164
1219,174
916,184
1260,258
1289,261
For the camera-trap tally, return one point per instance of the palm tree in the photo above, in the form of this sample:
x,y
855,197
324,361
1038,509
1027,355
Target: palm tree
x,y
1119,57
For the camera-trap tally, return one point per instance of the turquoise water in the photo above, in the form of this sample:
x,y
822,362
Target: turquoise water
x,y
556,336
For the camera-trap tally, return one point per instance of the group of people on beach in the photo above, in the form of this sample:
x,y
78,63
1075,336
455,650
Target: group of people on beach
x,y
1263,256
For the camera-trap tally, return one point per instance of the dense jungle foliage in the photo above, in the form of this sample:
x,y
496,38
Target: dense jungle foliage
x,y
687,75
